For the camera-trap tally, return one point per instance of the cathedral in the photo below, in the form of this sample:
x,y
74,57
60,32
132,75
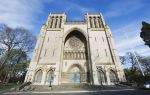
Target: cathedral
x,y
75,52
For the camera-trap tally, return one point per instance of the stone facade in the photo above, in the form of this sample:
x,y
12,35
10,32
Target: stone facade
x,y
75,52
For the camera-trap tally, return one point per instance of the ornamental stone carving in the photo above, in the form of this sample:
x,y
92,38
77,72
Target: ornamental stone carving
x,y
75,43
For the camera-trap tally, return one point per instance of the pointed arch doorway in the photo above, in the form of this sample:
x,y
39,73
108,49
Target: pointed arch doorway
x,y
75,74
101,77
75,51
38,77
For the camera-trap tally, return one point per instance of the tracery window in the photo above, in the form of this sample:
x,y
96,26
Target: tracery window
x,y
75,47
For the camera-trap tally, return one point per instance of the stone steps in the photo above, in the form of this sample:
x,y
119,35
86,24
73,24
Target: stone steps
x,y
73,87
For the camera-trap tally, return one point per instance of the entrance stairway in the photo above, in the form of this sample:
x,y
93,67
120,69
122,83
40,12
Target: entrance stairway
x,y
74,87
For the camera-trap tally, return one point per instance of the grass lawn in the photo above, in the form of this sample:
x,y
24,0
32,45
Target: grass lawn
x,y
7,86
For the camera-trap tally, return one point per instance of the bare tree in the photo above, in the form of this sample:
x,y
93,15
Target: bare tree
x,y
10,39
123,60
145,62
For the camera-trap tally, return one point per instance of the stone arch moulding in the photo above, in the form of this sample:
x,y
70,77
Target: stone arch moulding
x,y
76,65
101,68
48,74
40,68
114,71
111,69
73,29
101,75
36,72
48,69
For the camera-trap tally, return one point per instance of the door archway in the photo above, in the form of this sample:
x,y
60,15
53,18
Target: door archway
x,y
101,77
75,75
50,76
38,76
112,76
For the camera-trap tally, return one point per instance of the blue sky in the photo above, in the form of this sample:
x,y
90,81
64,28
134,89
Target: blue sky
x,y
123,16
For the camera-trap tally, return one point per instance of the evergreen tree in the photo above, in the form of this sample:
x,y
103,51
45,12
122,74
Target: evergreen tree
x,y
145,33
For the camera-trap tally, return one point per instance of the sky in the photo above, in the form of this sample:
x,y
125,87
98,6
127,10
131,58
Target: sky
x,y
124,17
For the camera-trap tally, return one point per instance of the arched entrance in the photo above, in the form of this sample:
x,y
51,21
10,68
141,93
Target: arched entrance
x,y
112,76
38,77
74,74
50,76
101,77
75,52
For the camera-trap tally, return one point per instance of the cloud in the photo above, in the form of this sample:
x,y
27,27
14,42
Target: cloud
x,y
26,13
128,38
74,6
123,7
22,13
129,42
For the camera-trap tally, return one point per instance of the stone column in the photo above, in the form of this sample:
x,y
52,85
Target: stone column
x,y
58,22
26,78
97,23
93,24
90,20
108,79
54,21
95,78
100,22
31,76
43,78
50,22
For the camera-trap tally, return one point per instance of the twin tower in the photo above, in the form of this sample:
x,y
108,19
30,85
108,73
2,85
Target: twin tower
x,y
75,52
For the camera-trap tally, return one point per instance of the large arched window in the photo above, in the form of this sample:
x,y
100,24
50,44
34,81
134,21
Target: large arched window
x,y
38,76
112,76
75,42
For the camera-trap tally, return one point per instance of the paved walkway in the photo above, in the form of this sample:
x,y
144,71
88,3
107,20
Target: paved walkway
x,y
71,92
